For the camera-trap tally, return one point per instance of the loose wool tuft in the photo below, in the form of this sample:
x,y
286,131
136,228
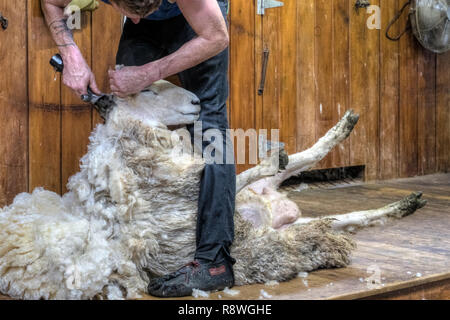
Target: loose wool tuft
x,y
130,215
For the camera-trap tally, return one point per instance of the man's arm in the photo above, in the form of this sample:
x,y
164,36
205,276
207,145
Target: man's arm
x,y
206,18
76,75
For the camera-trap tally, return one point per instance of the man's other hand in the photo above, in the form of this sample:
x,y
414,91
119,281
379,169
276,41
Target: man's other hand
x,y
128,80
77,75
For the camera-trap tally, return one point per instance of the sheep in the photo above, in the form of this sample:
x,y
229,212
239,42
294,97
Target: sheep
x,y
130,212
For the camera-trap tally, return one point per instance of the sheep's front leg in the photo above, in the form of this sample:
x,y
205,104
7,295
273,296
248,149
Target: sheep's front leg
x,y
261,182
361,219
268,167
307,159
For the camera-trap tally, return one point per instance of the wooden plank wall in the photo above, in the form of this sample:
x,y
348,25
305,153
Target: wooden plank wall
x,y
44,126
13,102
324,60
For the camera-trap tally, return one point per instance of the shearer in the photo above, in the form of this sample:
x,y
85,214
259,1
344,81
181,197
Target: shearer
x,y
163,38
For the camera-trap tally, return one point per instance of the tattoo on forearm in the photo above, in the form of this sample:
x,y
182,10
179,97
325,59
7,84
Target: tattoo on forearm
x,y
60,27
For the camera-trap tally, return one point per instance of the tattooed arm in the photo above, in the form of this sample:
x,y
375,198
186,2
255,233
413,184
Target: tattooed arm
x,y
76,75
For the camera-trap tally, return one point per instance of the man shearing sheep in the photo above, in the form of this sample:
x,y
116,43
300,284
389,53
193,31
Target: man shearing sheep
x,y
163,38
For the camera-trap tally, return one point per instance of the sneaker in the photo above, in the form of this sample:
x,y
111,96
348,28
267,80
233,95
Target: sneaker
x,y
199,274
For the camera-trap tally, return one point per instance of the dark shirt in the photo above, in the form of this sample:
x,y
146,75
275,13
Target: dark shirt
x,y
166,11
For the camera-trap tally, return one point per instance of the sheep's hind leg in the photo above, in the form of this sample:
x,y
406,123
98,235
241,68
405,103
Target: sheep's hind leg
x,y
308,244
361,219
266,254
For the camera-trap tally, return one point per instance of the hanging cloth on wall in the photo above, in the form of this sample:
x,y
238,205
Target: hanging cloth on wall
x,y
85,5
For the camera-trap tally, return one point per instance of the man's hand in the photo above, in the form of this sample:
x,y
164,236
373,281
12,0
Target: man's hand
x,y
130,80
77,75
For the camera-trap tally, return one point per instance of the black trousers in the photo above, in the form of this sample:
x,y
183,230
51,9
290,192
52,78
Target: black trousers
x,y
151,40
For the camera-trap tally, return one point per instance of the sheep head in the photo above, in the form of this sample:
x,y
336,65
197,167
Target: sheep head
x,y
161,104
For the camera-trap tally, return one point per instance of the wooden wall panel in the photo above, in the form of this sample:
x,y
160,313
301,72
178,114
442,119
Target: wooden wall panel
x,y
321,54
288,75
76,115
324,104
443,112
242,73
106,31
306,76
333,73
268,105
389,95
408,152
364,91
44,105
275,107
341,74
13,102
426,113
259,46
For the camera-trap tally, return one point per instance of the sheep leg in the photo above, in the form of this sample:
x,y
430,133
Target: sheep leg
x,y
264,255
302,161
269,167
361,219
308,244
307,159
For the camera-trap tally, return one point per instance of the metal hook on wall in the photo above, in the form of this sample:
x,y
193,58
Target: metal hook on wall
x,y
265,62
3,22
361,4
394,20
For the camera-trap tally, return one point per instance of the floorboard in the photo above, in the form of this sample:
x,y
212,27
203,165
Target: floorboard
x,y
403,255
410,253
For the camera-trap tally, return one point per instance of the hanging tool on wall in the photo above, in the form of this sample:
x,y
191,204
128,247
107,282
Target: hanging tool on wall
x,y
3,22
265,61
102,103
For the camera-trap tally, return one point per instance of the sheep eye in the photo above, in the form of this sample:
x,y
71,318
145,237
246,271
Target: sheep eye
x,y
148,90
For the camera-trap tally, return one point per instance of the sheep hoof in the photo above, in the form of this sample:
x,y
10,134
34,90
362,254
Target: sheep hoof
x,y
409,205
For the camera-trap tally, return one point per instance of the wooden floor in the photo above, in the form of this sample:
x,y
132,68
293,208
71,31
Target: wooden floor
x,y
412,255
407,259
